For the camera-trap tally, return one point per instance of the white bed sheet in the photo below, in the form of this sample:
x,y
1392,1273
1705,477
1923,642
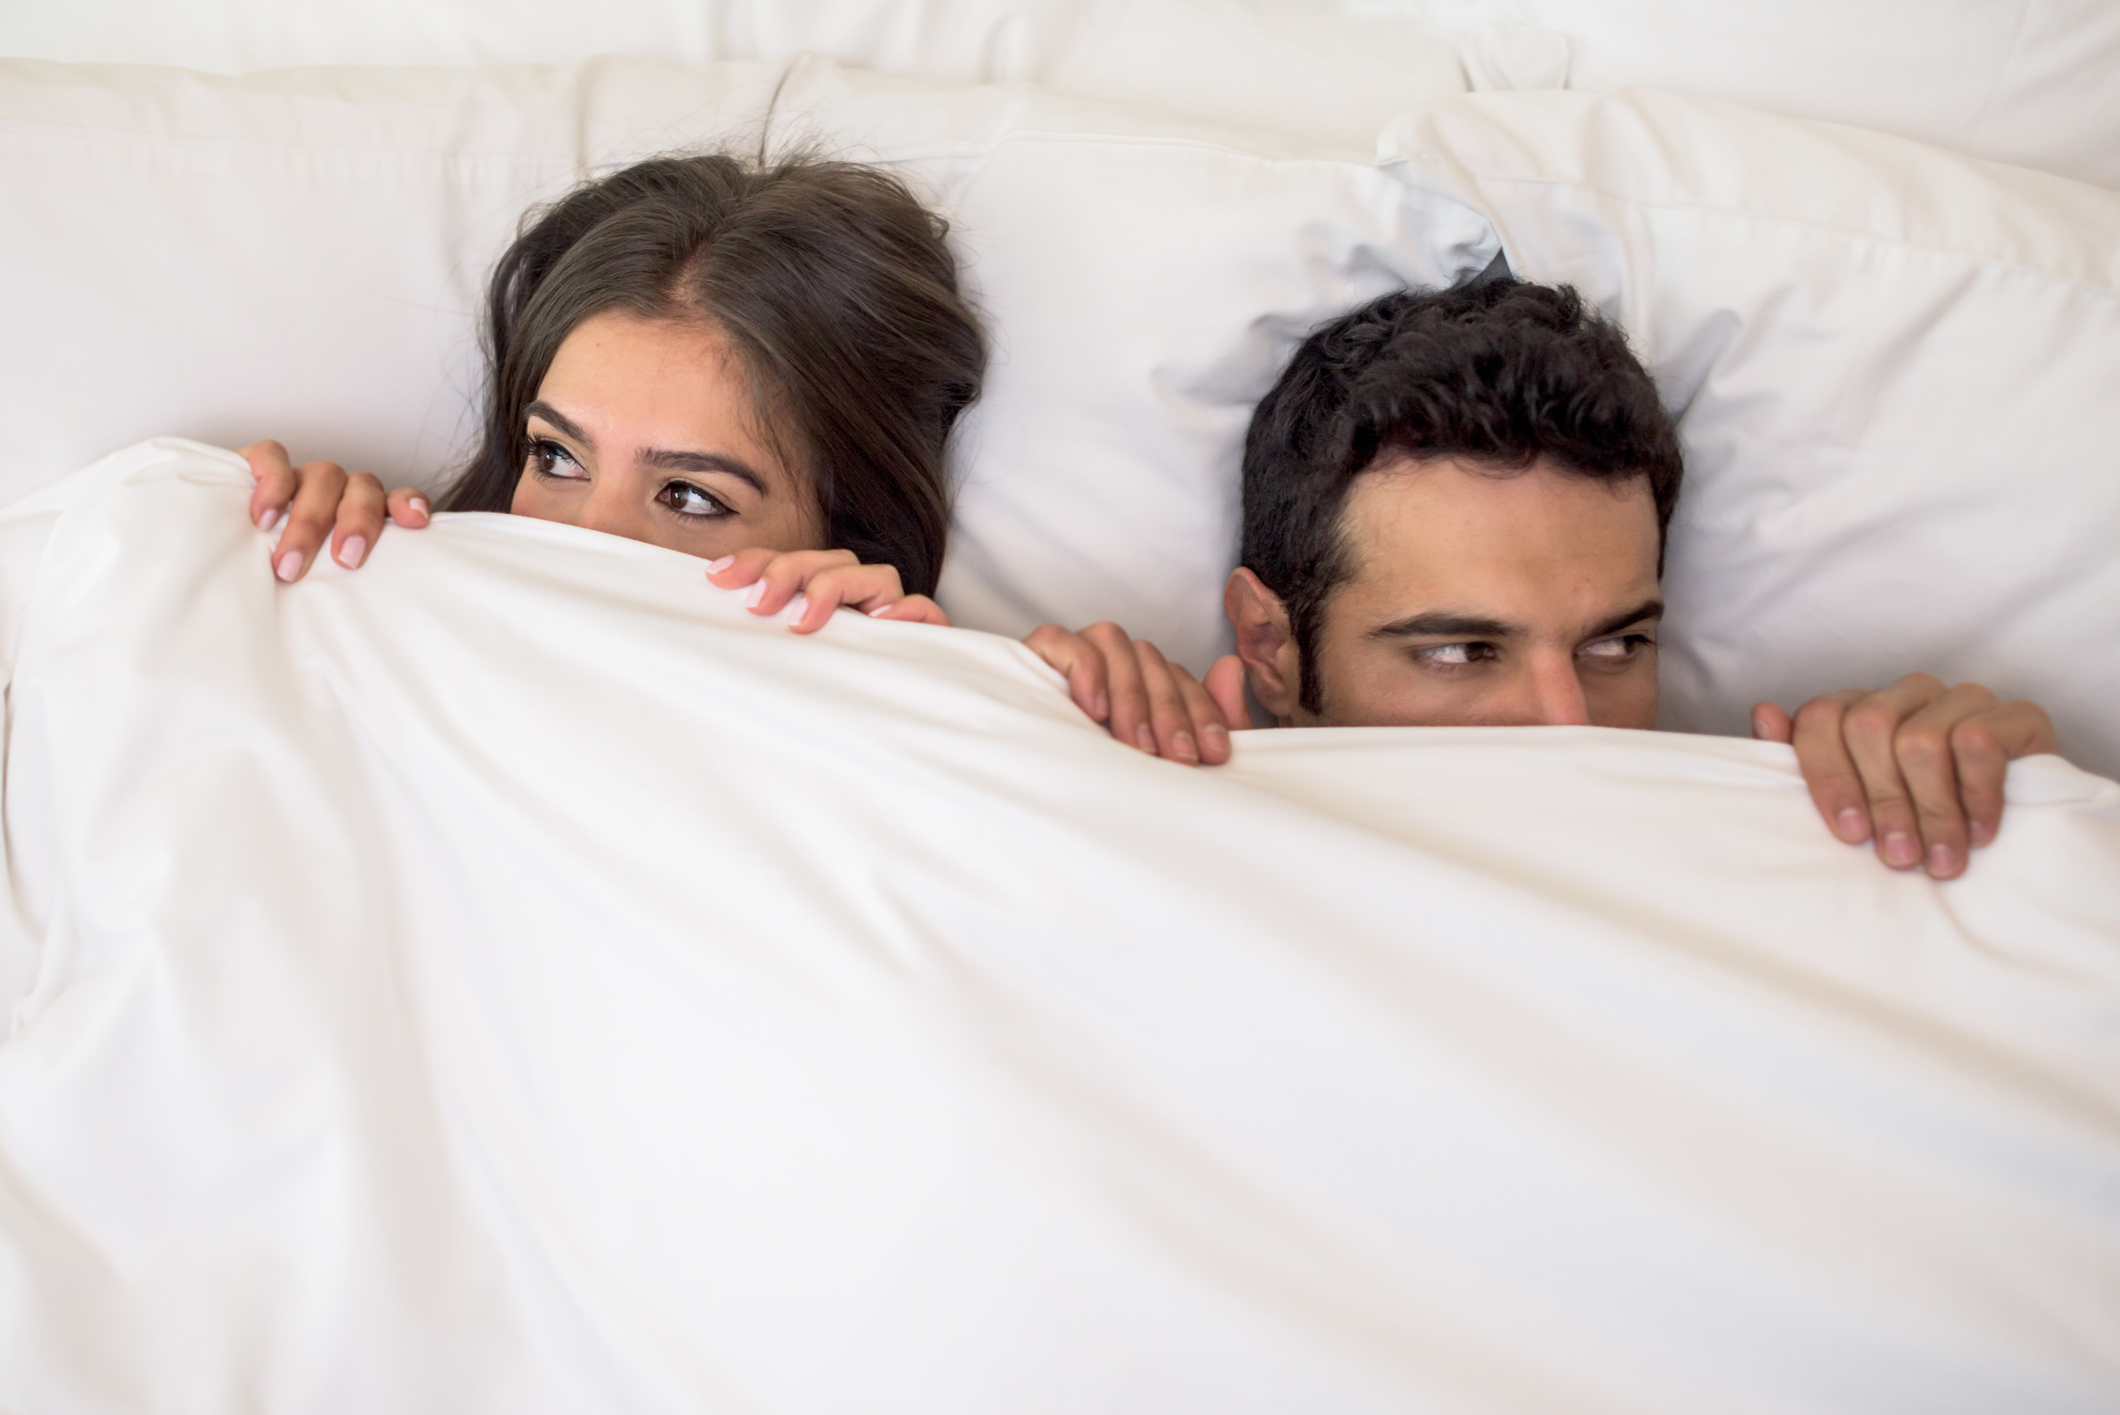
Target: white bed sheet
x,y
515,978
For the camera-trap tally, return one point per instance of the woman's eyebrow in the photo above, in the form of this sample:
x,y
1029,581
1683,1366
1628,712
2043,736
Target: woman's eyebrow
x,y
703,462
541,409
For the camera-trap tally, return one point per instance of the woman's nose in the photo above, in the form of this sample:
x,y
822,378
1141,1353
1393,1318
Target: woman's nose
x,y
606,508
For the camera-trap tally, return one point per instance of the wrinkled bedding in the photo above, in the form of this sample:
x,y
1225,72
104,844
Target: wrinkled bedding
x,y
516,978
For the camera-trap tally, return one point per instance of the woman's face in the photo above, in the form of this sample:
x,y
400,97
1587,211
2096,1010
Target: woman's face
x,y
645,428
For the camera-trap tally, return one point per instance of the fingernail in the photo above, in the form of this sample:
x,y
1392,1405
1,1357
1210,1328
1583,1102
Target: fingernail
x,y
269,519
1943,861
1982,832
1852,826
351,552
1185,748
290,565
1145,739
1104,705
1900,851
797,607
715,567
756,596
1217,737
418,504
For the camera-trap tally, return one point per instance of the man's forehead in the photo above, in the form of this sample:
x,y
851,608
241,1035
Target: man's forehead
x,y
1539,544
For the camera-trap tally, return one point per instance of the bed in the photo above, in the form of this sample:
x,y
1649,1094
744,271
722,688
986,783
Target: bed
x,y
514,978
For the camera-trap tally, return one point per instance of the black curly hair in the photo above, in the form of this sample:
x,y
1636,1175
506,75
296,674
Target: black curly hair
x,y
1498,370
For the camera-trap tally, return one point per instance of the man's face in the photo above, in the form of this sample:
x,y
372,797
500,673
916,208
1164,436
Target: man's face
x,y
1482,599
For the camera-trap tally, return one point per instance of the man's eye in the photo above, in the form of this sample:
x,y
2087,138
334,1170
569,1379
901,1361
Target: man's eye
x,y
1617,649
1453,655
549,459
688,500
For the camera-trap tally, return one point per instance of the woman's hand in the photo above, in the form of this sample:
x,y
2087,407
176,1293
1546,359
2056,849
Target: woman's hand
x,y
1144,699
320,501
822,580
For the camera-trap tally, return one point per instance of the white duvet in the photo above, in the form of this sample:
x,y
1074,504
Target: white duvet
x,y
514,978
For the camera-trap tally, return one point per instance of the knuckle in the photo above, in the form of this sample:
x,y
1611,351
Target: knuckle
x,y
1871,721
1922,744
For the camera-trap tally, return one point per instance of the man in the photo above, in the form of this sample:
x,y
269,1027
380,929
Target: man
x,y
1455,508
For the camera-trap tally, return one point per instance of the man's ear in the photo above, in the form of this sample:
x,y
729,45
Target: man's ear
x,y
1265,643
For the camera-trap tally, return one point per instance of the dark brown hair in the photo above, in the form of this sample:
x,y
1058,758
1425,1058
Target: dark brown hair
x,y
832,281
1494,370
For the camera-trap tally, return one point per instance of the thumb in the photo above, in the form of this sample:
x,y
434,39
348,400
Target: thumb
x,y
1225,684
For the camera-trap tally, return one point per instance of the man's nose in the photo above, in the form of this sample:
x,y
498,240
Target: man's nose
x,y
1553,694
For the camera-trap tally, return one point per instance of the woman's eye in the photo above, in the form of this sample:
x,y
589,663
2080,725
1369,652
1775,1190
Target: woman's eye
x,y
549,459
1453,655
688,500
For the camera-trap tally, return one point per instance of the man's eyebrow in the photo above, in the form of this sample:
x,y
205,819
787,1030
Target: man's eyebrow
x,y
1647,609
1440,623
655,456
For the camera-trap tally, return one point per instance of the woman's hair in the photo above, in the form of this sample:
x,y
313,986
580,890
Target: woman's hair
x,y
831,280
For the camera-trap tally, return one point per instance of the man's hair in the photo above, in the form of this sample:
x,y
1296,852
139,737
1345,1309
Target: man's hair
x,y
834,284
1497,371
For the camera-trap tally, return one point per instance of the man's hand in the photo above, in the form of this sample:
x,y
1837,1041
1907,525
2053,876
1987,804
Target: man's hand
x,y
321,501
1917,767
1144,699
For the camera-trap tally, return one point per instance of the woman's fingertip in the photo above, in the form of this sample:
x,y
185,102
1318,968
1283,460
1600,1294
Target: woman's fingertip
x,y
352,551
268,518
1852,826
1103,707
756,596
289,566
715,567
418,506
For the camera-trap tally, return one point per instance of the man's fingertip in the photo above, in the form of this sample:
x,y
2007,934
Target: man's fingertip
x,y
1852,826
1981,832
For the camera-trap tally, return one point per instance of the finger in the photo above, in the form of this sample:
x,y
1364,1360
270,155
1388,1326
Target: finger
x,y
1167,713
408,507
309,518
1130,719
1930,768
1225,684
1871,728
913,609
864,587
275,479
1828,771
787,574
1210,729
733,572
1771,724
1080,662
359,520
1983,746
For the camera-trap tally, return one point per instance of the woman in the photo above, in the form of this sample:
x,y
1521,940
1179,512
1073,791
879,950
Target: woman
x,y
755,363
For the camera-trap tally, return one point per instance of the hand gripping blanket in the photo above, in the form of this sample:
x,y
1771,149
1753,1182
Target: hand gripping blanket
x,y
515,978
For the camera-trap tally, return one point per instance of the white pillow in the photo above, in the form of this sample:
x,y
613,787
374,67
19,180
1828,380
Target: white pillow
x,y
1337,69
2022,83
299,254
2031,84
1897,372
